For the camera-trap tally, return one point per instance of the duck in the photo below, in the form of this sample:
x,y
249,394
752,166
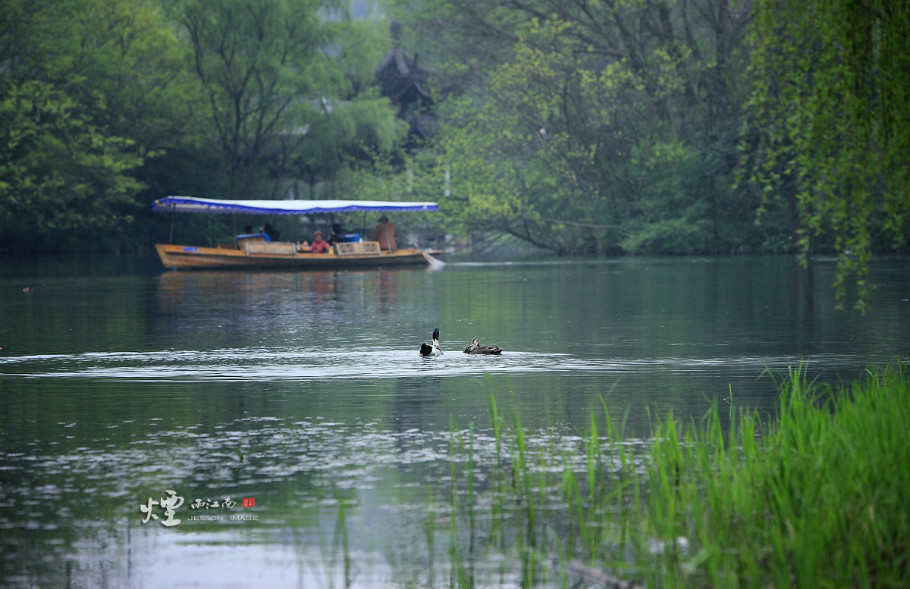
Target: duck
x,y
475,348
432,350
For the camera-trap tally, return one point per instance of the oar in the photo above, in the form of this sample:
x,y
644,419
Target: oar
x,y
434,263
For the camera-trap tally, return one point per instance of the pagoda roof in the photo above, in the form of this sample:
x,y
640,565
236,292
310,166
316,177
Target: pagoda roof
x,y
398,74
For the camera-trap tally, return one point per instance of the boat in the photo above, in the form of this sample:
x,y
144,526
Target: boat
x,y
257,250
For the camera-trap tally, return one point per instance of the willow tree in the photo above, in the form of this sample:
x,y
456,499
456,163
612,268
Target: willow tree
x,y
287,83
257,62
829,124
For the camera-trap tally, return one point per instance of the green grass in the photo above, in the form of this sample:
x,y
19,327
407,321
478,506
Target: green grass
x,y
816,496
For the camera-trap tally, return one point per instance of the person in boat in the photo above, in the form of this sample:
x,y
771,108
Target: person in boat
x,y
385,234
319,245
273,234
335,233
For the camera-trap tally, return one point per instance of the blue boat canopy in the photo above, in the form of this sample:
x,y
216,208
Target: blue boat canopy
x,y
190,204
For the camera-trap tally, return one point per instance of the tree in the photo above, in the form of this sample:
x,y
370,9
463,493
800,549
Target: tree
x,y
829,125
257,63
571,103
77,77
285,84
59,173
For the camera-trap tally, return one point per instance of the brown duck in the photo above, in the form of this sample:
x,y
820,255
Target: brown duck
x,y
475,348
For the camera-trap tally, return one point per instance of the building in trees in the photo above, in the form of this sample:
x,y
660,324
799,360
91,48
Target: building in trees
x,y
405,83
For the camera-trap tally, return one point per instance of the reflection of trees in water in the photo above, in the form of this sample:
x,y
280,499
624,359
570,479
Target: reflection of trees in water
x,y
259,308
181,292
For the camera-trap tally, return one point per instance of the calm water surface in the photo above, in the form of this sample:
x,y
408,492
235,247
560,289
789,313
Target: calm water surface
x,y
304,392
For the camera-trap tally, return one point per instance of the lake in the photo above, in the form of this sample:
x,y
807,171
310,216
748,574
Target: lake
x,y
246,429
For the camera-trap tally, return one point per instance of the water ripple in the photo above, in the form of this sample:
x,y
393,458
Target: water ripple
x,y
281,364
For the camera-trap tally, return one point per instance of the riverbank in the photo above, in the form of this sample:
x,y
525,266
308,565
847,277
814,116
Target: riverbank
x,y
814,496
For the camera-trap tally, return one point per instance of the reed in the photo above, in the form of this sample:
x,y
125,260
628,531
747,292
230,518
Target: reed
x,y
819,497
816,496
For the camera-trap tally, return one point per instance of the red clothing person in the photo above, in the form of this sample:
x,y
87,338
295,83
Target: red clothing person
x,y
319,245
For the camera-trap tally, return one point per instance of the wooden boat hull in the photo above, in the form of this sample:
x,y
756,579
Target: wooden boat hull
x,y
193,257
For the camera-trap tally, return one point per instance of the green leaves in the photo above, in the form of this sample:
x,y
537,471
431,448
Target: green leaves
x,y
286,89
831,109
255,63
60,172
87,97
541,142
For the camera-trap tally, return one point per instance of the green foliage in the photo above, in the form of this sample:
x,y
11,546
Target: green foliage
x,y
346,135
798,502
107,104
69,85
671,218
581,127
255,62
86,96
669,237
59,171
825,148
120,59
813,497
829,124
287,89
548,141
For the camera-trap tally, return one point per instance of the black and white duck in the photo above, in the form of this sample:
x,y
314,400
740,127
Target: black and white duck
x,y
434,349
475,348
